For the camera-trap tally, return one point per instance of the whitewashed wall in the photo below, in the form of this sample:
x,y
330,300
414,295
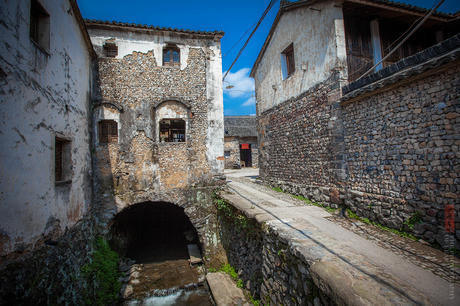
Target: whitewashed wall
x,y
317,33
41,94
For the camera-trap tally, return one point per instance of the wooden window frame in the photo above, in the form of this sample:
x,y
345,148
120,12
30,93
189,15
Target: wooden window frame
x,y
172,61
170,135
110,49
288,55
107,131
39,26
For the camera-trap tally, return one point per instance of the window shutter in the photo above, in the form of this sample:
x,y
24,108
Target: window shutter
x,y
113,131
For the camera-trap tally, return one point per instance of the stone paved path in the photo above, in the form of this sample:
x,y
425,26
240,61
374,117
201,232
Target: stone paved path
x,y
391,263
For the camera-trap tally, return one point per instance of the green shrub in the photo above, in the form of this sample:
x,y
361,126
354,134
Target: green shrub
x,y
102,272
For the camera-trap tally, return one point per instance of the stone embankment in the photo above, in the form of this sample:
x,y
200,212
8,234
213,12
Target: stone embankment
x,y
291,254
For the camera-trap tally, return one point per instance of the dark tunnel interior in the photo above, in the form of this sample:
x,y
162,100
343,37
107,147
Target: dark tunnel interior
x,y
153,232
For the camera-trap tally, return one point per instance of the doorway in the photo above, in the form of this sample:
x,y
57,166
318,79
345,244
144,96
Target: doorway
x,y
245,155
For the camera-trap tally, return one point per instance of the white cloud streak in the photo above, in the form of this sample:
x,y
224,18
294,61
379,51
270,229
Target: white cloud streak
x,y
249,102
243,85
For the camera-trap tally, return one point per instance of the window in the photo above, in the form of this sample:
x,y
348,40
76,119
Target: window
x,y
110,50
171,56
287,61
39,25
108,131
227,154
62,160
172,130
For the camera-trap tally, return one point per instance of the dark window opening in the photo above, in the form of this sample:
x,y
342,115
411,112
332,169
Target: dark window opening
x,y
227,154
288,56
172,130
108,131
110,50
171,56
39,25
62,160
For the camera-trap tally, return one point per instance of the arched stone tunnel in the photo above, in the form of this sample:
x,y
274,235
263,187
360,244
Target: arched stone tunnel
x,y
152,232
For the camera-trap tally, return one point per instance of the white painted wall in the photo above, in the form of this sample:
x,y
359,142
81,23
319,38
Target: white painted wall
x,y
41,94
318,35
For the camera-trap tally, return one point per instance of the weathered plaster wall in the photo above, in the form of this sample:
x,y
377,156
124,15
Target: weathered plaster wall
x,y
137,91
319,47
42,94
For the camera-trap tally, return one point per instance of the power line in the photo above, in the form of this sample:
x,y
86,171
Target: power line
x,y
246,32
388,48
270,5
404,40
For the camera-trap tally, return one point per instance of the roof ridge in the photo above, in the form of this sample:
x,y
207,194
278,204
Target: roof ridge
x,y
151,27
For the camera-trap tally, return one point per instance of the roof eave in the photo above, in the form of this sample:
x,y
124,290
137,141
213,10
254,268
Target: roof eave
x,y
294,5
216,35
82,26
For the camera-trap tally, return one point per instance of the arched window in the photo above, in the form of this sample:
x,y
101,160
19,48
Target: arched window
x,y
172,130
171,56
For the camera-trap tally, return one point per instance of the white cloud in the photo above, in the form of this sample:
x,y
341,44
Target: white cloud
x,y
242,84
249,102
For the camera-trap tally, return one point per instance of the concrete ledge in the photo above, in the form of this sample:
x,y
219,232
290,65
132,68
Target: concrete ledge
x,y
348,269
224,290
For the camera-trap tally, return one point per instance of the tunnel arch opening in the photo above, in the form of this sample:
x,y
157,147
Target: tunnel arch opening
x,y
153,232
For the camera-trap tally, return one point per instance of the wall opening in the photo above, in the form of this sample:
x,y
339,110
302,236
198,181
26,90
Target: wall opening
x,y
172,130
245,155
153,232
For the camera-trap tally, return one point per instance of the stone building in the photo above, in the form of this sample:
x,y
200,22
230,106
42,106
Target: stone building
x,y
158,123
240,142
385,145
105,128
45,136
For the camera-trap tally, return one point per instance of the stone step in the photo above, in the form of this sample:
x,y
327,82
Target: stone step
x,y
224,290
194,254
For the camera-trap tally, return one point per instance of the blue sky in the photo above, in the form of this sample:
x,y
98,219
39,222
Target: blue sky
x,y
233,17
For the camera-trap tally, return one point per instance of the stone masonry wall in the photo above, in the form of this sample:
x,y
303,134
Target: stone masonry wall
x,y
299,143
270,270
391,156
232,145
402,153
51,274
137,91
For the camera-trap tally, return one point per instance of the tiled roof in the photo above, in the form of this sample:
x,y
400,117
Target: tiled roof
x,y
406,6
90,22
432,57
242,126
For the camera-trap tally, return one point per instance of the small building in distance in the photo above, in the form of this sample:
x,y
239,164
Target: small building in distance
x,y
241,149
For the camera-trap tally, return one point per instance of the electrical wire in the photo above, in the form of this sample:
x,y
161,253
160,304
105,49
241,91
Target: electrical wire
x,y
246,32
388,48
270,5
404,39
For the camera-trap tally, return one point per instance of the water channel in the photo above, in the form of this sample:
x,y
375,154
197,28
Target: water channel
x,y
153,238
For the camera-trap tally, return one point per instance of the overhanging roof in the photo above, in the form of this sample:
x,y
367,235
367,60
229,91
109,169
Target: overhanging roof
x,y
382,4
